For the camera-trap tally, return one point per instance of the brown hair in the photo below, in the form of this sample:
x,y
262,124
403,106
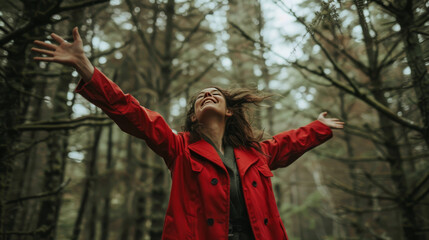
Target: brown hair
x,y
238,129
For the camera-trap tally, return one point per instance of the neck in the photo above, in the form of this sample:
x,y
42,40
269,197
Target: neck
x,y
214,130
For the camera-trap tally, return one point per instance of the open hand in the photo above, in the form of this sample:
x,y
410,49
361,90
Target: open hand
x,y
64,53
330,122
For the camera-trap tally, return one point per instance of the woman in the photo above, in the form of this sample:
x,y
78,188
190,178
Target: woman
x,y
221,186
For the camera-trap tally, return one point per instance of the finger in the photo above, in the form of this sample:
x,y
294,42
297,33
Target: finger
x,y
76,35
322,115
46,45
57,38
45,59
43,51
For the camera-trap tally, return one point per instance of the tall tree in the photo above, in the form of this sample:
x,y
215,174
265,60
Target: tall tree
x,y
412,17
368,71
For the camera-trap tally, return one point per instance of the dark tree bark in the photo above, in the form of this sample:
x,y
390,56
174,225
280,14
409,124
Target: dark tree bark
x,y
105,221
405,14
131,167
54,170
89,184
391,144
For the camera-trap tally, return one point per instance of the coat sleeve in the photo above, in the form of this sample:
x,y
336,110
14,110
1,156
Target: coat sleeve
x,y
284,148
132,118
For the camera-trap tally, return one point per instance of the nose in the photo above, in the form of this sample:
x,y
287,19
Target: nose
x,y
208,94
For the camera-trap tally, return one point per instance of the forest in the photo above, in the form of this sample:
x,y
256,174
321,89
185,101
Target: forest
x,y
68,172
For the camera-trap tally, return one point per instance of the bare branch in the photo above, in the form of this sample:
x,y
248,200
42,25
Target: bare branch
x,y
189,36
379,185
193,81
390,8
365,210
81,4
349,159
44,19
366,98
90,120
422,182
41,195
353,192
383,62
154,56
355,61
28,147
110,51
7,24
421,196
424,18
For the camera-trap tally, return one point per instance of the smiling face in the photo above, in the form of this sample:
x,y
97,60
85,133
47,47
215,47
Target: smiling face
x,y
210,103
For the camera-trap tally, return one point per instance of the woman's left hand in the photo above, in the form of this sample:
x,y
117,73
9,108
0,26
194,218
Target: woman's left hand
x,y
330,122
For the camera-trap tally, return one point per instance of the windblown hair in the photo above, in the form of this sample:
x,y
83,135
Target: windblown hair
x,y
238,129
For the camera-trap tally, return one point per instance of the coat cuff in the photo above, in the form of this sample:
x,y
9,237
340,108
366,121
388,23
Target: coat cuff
x,y
324,131
82,85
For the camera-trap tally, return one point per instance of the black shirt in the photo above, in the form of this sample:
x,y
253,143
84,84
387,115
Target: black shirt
x,y
238,211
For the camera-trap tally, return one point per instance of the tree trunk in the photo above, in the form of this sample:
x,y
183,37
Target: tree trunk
x,y
415,59
54,170
89,184
125,232
142,195
391,142
357,222
106,206
9,114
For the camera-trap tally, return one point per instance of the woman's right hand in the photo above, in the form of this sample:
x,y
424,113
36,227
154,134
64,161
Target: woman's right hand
x,y
66,53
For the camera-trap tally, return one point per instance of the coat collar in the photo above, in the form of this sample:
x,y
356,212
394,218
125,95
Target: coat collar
x,y
244,157
207,151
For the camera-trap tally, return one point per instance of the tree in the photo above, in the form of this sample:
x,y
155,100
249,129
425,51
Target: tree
x,y
363,78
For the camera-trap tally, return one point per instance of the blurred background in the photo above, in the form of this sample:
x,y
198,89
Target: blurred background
x,y
67,172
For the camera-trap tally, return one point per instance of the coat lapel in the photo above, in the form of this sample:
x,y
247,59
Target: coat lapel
x,y
207,151
245,158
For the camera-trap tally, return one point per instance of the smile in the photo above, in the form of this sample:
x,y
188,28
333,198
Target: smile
x,y
208,101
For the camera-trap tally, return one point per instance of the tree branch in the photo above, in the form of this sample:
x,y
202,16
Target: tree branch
x,y
377,184
154,56
353,192
390,8
349,159
366,98
365,210
192,82
190,34
41,195
28,147
422,182
81,4
90,120
110,51
44,19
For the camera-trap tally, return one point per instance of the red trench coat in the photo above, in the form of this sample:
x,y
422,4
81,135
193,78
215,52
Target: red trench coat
x,y
199,202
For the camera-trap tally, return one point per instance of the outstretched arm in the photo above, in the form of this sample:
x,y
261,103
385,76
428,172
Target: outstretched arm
x,y
284,148
66,53
122,108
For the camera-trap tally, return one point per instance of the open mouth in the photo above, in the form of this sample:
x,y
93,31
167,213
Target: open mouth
x,y
209,100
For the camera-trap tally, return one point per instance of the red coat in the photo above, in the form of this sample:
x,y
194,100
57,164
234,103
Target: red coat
x,y
199,206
